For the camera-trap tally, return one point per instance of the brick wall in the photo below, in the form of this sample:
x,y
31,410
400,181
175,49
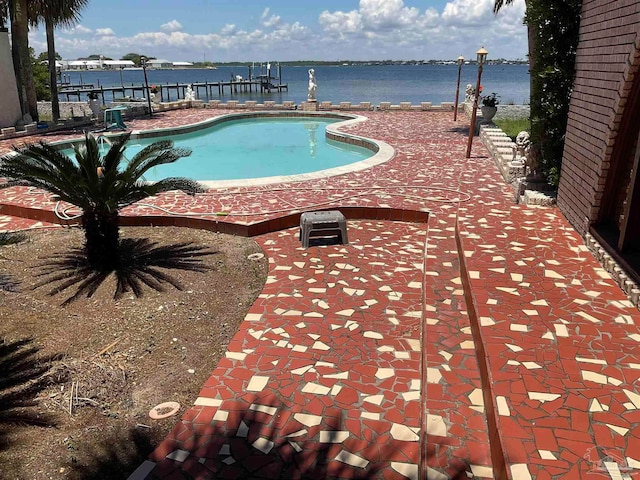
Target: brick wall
x,y
607,61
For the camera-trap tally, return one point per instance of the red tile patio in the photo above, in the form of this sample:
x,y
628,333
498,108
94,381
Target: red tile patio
x,y
457,332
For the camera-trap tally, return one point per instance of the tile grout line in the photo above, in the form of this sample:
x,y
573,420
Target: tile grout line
x,y
495,443
423,456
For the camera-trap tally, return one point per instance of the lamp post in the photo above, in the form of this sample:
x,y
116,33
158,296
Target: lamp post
x,y
143,62
455,110
482,56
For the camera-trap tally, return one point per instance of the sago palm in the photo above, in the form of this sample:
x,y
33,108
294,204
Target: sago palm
x,y
98,184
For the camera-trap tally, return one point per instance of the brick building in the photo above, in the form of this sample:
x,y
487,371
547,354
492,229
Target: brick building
x,y
599,170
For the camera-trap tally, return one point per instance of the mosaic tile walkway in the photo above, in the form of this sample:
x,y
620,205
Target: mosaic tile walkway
x,y
403,353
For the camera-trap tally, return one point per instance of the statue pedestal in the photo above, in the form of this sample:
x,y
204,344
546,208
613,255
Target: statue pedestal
x,y
310,106
532,182
515,171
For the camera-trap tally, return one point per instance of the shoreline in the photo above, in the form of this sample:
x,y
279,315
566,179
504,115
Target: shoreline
x,y
70,109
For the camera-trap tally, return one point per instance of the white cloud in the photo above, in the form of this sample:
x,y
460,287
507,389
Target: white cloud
x,y
378,18
269,21
387,14
104,32
228,29
393,29
172,26
77,30
341,22
377,29
468,12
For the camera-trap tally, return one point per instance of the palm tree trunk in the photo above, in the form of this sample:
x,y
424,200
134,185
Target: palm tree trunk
x,y
102,238
53,78
19,23
16,59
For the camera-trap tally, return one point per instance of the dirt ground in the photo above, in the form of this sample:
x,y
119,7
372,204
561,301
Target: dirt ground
x,y
77,382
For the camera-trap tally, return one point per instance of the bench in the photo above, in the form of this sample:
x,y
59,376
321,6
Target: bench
x,y
323,224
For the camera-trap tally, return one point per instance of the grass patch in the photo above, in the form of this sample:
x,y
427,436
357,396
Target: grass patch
x,y
513,126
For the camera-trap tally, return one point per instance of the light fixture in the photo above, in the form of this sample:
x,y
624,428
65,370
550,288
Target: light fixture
x,y
482,57
143,62
455,108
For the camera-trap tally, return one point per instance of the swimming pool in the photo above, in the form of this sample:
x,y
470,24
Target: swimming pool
x,y
270,147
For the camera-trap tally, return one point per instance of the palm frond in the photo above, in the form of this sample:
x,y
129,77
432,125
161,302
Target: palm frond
x,y
158,153
97,185
498,4
43,166
188,186
24,377
114,156
63,13
146,190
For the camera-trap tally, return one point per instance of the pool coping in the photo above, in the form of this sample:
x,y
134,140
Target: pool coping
x,y
382,151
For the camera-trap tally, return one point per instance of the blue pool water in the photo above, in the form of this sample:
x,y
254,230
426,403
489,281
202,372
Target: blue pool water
x,y
254,148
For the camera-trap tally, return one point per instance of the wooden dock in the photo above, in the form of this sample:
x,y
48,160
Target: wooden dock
x,y
261,84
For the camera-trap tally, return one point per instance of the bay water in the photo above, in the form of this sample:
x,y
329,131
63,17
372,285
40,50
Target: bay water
x,y
370,83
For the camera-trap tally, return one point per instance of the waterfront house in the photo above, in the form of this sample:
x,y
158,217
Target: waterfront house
x,y
159,63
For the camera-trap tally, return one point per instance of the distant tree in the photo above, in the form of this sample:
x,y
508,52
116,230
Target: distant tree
x,y
40,76
95,56
134,57
44,57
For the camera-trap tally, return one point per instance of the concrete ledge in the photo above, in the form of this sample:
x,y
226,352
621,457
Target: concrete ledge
x,y
543,199
628,286
8,132
137,109
501,149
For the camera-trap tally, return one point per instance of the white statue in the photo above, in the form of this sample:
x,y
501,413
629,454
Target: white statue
x,y
312,86
470,93
521,149
190,94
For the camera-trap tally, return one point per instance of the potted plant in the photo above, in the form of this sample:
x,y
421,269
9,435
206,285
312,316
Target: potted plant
x,y
94,104
489,106
155,91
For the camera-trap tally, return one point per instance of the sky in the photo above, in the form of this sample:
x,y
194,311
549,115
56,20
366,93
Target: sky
x,y
286,30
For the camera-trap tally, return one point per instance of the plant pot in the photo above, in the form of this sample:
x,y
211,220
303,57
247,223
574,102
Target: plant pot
x,y
488,113
96,107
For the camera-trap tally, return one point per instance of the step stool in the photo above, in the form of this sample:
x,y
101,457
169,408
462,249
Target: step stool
x,y
323,224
